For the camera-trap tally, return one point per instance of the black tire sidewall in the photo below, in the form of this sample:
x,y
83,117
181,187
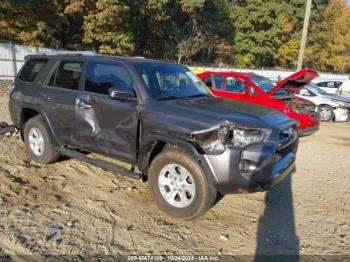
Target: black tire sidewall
x,y
49,155
204,195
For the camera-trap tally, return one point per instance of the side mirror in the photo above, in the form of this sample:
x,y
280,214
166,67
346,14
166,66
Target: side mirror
x,y
120,93
246,92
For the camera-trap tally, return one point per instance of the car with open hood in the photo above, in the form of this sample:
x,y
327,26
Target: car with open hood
x,y
156,117
331,107
256,89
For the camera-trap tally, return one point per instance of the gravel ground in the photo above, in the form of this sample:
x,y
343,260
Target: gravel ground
x,y
4,87
71,208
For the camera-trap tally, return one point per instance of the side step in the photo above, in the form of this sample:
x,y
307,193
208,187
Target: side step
x,y
97,162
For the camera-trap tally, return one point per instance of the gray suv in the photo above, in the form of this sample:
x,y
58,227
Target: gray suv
x,y
190,146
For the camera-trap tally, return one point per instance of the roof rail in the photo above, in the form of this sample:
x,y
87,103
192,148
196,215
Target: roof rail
x,y
88,53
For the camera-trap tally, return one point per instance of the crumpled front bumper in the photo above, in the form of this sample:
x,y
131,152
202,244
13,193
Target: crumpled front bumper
x,y
272,166
341,114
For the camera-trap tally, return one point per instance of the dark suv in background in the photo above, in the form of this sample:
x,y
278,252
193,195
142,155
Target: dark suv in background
x,y
158,117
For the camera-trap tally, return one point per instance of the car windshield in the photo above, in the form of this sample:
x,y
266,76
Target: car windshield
x,y
169,81
316,89
263,83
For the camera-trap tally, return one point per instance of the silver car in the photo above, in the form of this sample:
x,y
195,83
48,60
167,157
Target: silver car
x,y
332,107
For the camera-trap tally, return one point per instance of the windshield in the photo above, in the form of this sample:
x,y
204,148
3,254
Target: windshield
x,y
316,89
169,81
263,83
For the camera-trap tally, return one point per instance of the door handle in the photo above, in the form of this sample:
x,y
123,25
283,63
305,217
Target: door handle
x,y
83,105
44,97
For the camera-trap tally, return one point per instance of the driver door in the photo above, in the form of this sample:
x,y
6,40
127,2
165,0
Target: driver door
x,y
229,87
105,125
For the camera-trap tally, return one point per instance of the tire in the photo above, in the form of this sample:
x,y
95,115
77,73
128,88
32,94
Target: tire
x,y
196,197
326,113
42,151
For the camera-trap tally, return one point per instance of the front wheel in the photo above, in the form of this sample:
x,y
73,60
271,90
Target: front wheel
x,y
179,186
326,113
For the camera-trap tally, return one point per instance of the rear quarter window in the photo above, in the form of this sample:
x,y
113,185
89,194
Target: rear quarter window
x,y
31,69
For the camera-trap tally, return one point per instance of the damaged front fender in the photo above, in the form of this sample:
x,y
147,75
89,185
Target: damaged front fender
x,y
209,141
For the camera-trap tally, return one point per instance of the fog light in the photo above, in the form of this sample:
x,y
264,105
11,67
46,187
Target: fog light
x,y
247,166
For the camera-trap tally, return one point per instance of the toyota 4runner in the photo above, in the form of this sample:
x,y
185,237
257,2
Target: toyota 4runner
x,y
190,146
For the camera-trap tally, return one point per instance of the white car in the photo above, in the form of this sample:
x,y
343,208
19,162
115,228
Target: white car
x,y
331,107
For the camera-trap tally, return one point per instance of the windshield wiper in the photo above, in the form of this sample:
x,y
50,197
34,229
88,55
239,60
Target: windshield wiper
x,y
198,95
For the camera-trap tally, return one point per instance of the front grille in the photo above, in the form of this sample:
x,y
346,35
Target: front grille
x,y
286,136
281,153
286,144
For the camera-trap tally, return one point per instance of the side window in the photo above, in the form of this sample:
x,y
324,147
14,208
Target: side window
x,y
338,84
234,86
102,76
330,84
207,81
67,75
322,84
31,69
220,83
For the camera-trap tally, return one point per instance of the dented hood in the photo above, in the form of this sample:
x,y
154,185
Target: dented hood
x,y
209,111
296,81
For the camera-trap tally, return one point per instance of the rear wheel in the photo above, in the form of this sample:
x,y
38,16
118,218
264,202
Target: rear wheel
x,y
179,186
39,142
326,113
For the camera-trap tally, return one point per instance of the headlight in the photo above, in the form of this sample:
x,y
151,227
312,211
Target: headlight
x,y
341,103
241,137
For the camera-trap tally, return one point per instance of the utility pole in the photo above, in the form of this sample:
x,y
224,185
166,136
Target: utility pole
x,y
304,35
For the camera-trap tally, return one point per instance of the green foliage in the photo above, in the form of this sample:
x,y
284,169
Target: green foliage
x,y
329,42
106,27
260,33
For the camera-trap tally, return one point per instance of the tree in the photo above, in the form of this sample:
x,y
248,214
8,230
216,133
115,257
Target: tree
x,y
106,27
329,43
39,23
267,31
208,31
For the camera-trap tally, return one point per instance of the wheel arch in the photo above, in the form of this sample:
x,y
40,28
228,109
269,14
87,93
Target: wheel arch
x,y
30,112
157,143
324,104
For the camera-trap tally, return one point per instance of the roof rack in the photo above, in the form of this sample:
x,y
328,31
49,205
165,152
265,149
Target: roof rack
x,y
87,53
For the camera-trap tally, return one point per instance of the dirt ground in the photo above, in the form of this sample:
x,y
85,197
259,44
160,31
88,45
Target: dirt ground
x,y
72,208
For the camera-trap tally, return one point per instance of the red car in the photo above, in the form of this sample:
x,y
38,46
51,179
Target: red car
x,y
260,90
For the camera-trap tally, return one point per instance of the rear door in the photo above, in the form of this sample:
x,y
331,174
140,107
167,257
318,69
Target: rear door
x,y
58,98
106,125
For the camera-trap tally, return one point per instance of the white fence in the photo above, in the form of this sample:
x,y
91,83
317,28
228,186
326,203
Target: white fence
x,y
12,58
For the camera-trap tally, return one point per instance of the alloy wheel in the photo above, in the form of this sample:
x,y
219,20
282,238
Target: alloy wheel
x,y
176,185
